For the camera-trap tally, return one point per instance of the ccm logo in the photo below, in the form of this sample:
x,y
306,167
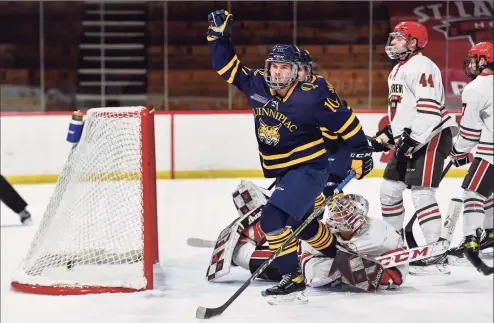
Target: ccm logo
x,y
361,155
403,256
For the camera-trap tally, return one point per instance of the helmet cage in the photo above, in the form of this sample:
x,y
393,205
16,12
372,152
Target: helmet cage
x,y
395,52
278,85
349,213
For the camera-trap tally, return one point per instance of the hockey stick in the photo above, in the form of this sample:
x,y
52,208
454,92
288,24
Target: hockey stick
x,y
272,185
206,313
200,243
479,264
401,257
410,239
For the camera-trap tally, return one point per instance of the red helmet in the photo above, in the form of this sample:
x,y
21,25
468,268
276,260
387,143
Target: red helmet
x,y
408,30
481,50
411,30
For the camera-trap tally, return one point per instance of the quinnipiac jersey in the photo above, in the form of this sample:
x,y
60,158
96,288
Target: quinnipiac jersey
x,y
416,99
289,133
331,140
477,118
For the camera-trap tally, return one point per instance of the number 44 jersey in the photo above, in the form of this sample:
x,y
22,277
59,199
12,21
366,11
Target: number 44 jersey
x,y
416,99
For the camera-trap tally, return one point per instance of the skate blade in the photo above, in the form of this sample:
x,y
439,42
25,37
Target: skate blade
x,y
290,299
438,269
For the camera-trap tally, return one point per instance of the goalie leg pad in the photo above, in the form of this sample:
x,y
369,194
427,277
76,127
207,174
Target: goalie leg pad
x,y
391,196
316,270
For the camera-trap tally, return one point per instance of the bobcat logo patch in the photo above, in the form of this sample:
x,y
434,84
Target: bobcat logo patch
x,y
269,134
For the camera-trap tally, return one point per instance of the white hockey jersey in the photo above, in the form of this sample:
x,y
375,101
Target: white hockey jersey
x,y
416,98
377,238
477,118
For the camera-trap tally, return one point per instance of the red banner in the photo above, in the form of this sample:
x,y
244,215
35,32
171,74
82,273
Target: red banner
x,y
453,27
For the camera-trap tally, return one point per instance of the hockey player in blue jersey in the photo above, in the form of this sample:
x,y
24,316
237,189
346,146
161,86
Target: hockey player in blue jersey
x,y
288,116
338,150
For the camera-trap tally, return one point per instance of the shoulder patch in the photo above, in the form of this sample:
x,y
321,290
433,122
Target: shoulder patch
x,y
308,86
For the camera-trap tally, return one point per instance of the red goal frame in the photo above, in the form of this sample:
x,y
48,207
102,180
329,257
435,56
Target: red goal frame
x,y
150,223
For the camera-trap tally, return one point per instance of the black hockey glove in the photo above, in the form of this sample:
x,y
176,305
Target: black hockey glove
x,y
459,158
220,24
405,145
361,162
383,138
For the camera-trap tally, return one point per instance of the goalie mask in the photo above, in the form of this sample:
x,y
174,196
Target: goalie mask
x,y
348,213
279,75
399,41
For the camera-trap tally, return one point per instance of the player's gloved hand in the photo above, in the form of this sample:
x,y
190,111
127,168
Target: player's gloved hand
x,y
382,139
345,103
331,184
405,145
361,162
459,158
220,24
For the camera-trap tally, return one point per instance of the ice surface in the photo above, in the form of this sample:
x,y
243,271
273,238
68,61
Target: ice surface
x,y
201,208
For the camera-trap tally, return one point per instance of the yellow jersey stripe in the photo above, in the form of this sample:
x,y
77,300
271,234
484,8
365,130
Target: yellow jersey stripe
x,y
290,91
353,132
295,161
347,124
295,150
234,72
276,246
327,135
287,251
228,66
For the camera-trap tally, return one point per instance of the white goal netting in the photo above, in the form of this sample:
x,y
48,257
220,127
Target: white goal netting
x,y
92,232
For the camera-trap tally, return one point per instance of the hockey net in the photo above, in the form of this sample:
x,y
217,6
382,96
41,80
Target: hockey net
x,y
99,231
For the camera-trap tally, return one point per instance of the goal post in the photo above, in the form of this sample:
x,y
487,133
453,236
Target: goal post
x,y
99,233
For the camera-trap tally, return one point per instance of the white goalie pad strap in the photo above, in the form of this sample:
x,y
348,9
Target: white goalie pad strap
x,y
316,270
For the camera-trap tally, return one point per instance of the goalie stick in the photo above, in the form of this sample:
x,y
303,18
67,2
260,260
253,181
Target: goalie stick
x,y
200,243
206,313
